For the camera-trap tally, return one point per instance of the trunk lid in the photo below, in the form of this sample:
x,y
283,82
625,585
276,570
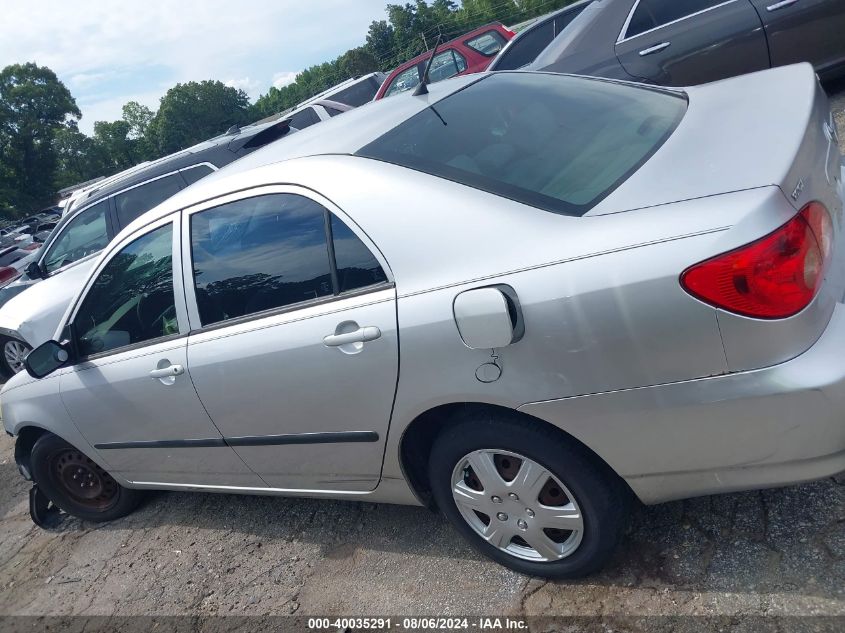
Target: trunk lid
x,y
766,128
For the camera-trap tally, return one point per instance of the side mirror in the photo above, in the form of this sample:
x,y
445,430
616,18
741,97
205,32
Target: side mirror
x,y
46,358
33,271
489,318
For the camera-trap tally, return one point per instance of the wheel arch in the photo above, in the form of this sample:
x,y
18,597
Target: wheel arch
x,y
418,438
26,438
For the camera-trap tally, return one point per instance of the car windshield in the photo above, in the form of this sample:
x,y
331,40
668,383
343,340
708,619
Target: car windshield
x,y
555,142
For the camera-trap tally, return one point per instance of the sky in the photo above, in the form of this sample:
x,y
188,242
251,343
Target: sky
x,y
108,53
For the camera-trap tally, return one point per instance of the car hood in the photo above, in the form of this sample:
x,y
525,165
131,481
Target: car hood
x,y
36,313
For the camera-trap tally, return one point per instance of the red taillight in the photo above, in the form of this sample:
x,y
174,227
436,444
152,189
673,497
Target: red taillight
x,y
32,247
773,278
7,273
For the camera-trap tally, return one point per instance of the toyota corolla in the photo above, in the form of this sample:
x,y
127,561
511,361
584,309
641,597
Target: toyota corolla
x,y
524,299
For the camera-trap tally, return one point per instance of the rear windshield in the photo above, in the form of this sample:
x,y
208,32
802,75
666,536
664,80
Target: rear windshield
x,y
555,142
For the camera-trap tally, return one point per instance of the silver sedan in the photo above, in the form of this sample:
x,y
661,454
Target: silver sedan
x,y
524,299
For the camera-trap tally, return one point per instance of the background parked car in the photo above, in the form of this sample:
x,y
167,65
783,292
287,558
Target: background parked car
x,y
353,92
689,42
535,37
470,53
314,112
28,319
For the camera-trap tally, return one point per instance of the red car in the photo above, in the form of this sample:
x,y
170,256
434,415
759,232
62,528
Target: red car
x,y
470,53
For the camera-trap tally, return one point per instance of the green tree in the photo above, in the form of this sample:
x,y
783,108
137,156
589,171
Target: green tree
x,y
76,157
34,106
195,111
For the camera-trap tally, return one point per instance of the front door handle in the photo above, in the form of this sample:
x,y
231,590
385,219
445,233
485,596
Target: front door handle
x,y
780,5
167,372
654,49
361,335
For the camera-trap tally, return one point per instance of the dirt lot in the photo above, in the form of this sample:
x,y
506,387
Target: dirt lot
x,y
778,552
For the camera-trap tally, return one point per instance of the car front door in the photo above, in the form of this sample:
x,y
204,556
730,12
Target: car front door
x,y
689,42
129,392
85,234
294,349
804,30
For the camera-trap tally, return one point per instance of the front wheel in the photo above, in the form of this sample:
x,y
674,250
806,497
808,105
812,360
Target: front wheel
x,y
13,354
525,497
77,484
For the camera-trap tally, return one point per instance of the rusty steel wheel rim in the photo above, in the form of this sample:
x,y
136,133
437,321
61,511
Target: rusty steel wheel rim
x,y
83,481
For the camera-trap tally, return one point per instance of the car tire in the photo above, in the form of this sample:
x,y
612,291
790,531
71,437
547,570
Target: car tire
x,y
12,350
545,514
78,485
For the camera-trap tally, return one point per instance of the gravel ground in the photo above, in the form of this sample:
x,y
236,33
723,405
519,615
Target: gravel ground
x,y
778,552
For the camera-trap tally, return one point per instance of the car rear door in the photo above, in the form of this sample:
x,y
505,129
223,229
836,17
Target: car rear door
x,y
689,42
294,346
804,30
131,203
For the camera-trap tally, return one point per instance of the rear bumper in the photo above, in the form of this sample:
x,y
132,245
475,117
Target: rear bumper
x,y
757,429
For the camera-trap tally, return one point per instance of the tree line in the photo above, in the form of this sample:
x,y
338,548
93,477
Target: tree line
x,y
44,151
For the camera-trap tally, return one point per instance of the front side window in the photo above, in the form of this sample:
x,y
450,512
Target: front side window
x,y
407,79
555,142
272,251
85,235
446,64
132,203
653,13
132,299
488,44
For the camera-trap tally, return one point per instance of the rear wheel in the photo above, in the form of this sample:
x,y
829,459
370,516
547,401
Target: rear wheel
x,y
77,484
12,357
527,498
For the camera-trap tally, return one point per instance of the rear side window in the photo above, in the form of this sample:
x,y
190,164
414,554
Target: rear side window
x,y
525,49
272,251
488,44
446,64
653,13
556,142
357,267
358,93
192,174
132,203
132,299
304,119
332,111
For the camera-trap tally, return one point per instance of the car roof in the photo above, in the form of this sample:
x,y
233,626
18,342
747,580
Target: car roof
x,y
339,135
179,160
379,76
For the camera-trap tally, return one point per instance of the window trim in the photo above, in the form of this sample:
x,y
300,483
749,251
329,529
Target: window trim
x,y
189,288
178,290
623,34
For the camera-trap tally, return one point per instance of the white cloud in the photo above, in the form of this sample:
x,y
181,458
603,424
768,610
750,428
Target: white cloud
x,y
106,53
252,87
285,78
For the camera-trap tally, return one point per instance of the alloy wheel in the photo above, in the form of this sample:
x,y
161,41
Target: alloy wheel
x,y
517,505
15,352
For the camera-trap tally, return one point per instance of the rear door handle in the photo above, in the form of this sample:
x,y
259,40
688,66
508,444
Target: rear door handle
x,y
361,335
167,372
780,5
654,49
